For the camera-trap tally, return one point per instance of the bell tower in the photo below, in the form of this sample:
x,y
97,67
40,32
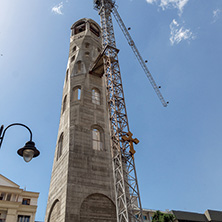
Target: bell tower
x,y
82,186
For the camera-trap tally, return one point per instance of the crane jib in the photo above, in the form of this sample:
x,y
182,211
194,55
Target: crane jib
x,y
138,55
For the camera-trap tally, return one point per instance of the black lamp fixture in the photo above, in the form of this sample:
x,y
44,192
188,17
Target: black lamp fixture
x,y
29,151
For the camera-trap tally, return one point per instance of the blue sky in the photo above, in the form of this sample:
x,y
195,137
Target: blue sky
x,y
178,158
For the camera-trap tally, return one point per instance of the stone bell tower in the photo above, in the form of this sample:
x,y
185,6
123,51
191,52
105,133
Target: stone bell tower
x,y
82,187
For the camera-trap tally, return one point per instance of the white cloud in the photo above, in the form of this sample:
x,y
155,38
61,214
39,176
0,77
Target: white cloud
x,y
216,14
179,33
164,4
151,1
57,9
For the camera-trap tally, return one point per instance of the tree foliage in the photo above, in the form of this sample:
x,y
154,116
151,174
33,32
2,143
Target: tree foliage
x,y
161,217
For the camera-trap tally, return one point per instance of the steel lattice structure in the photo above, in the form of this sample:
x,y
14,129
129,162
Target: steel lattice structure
x,y
138,55
128,201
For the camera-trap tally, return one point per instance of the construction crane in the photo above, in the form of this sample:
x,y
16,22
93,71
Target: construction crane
x,y
128,203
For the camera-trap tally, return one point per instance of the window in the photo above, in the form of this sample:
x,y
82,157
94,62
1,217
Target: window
x,y
9,195
87,45
22,218
96,96
64,104
96,139
94,29
80,27
74,49
144,217
26,201
77,93
2,196
73,58
79,66
67,75
87,54
60,145
98,49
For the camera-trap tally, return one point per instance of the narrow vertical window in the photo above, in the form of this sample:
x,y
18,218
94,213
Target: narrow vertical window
x,y
64,104
96,96
74,49
67,75
79,66
73,58
77,93
60,146
9,195
96,139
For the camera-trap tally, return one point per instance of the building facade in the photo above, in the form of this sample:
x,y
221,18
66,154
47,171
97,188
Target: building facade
x,y
82,187
185,216
208,216
16,204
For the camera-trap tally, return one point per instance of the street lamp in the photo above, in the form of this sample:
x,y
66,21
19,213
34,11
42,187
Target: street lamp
x,y
29,151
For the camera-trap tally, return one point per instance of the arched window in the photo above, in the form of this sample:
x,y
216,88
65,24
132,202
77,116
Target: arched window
x,y
77,93
79,66
64,104
60,146
80,27
96,139
96,96
54,211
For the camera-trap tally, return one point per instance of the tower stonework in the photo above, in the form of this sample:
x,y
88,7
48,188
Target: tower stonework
x,y
82,186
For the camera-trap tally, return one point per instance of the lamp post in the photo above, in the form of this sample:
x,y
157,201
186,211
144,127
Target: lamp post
x,y
29,151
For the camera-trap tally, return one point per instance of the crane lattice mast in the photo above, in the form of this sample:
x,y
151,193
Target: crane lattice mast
x,y
128,203
126,186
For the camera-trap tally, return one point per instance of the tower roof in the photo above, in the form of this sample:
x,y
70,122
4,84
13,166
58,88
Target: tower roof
x,y
85,20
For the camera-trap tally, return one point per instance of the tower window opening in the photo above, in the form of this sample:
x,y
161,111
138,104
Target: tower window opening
x,y
87,54
77,93
81,27
94,29
73,58
79,66
87,45
96,139
67,75
64,104
96,96
60,146
98,49
74,49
